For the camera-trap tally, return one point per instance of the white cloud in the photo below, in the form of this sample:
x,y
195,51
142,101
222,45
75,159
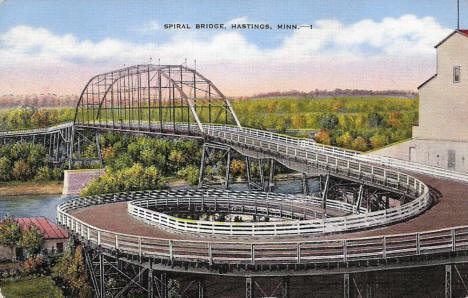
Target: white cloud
x,y
149,27
364,45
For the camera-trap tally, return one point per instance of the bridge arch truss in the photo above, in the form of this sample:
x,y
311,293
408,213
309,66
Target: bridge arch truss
x,y
153,97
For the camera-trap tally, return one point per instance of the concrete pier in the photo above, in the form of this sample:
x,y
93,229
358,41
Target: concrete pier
x,y
75,180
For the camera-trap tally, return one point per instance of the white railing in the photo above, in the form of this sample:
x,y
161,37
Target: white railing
x,y
278,252
412,167
36,130
272,205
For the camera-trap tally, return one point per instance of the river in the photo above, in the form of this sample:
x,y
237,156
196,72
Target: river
x,y
31,206
38,205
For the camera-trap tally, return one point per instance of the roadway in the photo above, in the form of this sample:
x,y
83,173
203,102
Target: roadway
x,y
449,210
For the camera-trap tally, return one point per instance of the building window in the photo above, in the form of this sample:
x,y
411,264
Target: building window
x,y
456,74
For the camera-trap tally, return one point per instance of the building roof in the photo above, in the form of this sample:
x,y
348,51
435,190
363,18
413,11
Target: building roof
x,y
463,32
48,229
427,81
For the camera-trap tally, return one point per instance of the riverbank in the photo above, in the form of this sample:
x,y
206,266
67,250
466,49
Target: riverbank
x,y
20,188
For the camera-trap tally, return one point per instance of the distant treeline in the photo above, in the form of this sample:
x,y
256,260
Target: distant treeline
x,y
336,92
35,100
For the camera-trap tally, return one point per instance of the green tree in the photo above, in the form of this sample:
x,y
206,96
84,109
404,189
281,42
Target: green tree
x,y
379,141
5,169
10,233
360,144
32,241
329,121
70,272
374,120
190,174
43,174
237,168
345,140
22,170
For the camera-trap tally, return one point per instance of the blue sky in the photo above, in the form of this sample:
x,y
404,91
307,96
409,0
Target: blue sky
x,y
50,40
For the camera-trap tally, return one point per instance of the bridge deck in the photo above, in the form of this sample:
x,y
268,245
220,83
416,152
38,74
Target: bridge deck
x,y
450,210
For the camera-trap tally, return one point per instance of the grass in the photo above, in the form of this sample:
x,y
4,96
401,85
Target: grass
x,y
8,266
39,287
17,188
84,170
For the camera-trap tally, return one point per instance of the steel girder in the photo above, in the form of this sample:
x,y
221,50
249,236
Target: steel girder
x,y
152,94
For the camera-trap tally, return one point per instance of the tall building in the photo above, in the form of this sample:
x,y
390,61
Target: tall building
x,y
441,138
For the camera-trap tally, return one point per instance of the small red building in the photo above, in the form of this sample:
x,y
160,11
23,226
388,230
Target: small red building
x,y
55,237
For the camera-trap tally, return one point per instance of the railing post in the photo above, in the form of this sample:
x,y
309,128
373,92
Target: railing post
x,y
345,251
418,244
116,242
384,247
454,240
171,250
298,253
210,253
252,253
139,247
99,237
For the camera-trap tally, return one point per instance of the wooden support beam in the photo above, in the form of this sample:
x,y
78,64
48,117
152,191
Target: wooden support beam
x,y
305,186
102,281
325,193
359,199
285,287
247,170
271,179
249,287
448,281
202,166
98,148
201,289
260,171
346,285
228,168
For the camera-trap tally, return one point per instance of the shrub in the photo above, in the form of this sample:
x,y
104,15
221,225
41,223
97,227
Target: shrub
x,y
5,169
345,140
33,265
190,174
57,173
360,144
323,137
22,170
379,141
43,174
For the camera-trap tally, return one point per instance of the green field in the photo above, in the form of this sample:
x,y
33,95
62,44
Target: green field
x,y
38,287
360,123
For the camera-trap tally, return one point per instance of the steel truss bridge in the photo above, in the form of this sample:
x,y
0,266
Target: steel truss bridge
x,y
133,237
